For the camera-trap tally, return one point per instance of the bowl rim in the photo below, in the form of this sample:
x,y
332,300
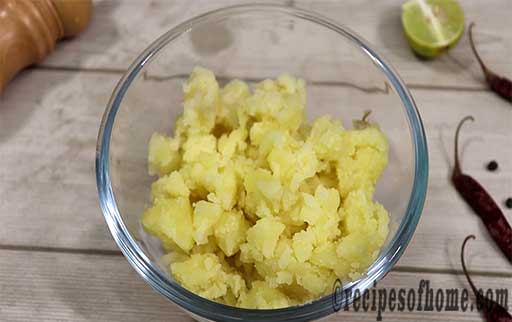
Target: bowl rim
x,y
215,311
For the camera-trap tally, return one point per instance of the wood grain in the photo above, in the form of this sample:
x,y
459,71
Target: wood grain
x,y
58,261
120,30
48,194
48,127
38,286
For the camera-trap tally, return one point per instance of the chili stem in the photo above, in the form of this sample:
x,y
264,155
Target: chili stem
x,y
457,169
473,287
473,47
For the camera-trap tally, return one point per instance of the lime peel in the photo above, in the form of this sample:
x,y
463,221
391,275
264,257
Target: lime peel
x,y
436,25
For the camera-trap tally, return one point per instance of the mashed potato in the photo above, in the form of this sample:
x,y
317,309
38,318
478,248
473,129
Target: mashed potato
x,y
258,208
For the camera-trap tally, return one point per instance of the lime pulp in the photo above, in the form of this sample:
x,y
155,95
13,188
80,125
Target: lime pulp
x,y
432,26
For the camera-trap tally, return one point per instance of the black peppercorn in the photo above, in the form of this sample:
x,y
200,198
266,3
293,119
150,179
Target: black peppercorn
x,y
492,166
508,203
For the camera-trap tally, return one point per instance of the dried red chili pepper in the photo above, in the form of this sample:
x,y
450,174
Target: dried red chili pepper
x,y
493,311
481,202
501,85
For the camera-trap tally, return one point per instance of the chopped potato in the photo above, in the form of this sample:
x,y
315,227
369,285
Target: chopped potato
x,y
262,296
256,207
169,186
206,215
163,156
171,218
204,274
230,231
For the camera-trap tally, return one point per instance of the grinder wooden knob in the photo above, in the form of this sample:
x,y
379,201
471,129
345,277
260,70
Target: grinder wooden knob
x,y
29,30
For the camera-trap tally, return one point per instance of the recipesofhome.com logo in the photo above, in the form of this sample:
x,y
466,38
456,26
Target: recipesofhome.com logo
x,y
424,298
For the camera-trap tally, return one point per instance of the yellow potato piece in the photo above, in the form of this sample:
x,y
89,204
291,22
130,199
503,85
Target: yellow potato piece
x,y
206,215
204,275
163,156
230,231
263,236
262,296
171,218
169,186
257,208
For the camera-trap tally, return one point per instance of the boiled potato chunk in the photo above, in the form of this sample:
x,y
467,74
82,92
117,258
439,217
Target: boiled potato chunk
x,y
204,275
206,215
257,208
263,236
163,156
171,218
230,231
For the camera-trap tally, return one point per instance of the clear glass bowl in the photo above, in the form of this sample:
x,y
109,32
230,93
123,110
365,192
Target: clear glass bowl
x,y
345,77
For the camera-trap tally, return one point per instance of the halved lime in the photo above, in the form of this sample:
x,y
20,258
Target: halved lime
x,y
432,26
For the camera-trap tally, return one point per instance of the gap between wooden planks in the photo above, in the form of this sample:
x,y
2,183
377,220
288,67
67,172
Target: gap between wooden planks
x,y
120,30
482,87
76,226
73,287
49,198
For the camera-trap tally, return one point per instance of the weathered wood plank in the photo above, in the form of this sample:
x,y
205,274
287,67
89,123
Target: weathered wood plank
x,y
120,30
382,27
49,122
48,128
39,286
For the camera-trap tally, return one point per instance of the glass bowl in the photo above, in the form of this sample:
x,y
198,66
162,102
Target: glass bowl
x,y
345,77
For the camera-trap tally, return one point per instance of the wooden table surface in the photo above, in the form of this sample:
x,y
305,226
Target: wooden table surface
x,y
58,261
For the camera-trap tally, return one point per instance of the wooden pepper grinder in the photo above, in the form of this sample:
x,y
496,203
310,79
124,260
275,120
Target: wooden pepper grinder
x,y
29,30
